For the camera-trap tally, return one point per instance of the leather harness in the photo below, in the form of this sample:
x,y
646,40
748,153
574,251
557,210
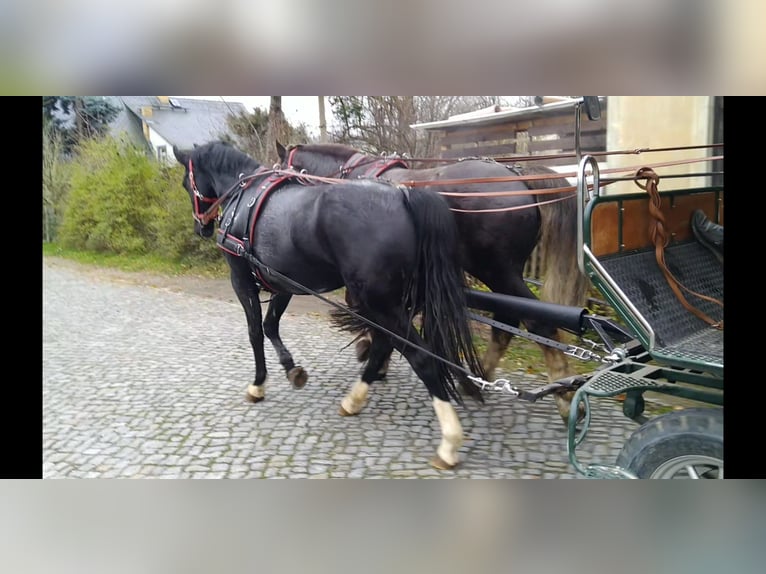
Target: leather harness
x,y
373,169
236,228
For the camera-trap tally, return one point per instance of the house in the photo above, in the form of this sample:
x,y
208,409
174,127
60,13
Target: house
x,y
160,122
547,129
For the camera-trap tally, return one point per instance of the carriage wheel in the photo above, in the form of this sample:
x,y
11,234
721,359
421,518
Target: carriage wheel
x,y
680,444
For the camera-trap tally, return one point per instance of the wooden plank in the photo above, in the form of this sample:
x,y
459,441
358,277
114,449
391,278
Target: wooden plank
x,y
512,125
604,229
480,132
473,144
551,119
678,218
592,143
481,151
568,128
637,222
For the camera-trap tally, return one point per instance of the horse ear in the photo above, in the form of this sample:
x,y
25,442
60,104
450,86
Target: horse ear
x,y
182,157
281,151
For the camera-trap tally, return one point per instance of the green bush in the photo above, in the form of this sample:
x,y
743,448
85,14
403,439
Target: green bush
x,y
174,226
114,199
123,202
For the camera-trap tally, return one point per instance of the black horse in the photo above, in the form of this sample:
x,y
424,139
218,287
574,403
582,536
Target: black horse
x,y
497,232
394,251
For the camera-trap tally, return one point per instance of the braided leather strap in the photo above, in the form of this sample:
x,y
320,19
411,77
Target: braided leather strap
x,y
659,236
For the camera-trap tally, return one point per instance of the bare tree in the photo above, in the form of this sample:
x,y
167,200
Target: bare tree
x,y
55,180
322,121
279,130
382,123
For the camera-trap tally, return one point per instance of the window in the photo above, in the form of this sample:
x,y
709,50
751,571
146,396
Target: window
x,y
162,153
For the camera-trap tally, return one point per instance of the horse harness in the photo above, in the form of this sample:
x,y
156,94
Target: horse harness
x,y
242,204
374,166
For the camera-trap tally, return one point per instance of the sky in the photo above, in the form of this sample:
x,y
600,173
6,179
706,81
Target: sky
x,y
297,109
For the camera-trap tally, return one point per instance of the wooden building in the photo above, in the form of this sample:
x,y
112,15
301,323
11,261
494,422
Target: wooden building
x,y
544,129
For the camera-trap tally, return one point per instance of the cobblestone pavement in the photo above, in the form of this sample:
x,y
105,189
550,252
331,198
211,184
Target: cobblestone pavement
x,y
140,381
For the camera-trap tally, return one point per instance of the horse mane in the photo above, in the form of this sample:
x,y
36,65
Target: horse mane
x,y
224,157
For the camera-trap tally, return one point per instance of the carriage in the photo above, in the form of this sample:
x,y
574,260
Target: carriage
x,y
628,246
638,249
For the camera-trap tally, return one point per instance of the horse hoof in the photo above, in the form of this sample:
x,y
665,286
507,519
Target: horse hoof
x,y
362,350
344,413
298,377
440,464
255,393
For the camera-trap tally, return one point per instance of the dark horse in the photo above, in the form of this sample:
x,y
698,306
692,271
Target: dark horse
x,y
394,251
497,233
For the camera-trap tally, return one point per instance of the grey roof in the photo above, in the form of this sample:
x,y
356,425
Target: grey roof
x,y
192,121
493,117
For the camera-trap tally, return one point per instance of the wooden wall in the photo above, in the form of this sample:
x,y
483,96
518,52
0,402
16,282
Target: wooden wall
x,y
532,134
536,133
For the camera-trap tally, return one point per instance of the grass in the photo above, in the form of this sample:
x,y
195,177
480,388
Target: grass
x,y
526,356
141,263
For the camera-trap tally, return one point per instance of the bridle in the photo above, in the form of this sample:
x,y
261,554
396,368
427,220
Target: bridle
x,y
203,218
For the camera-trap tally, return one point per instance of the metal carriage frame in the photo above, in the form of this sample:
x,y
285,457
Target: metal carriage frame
x,y
664,348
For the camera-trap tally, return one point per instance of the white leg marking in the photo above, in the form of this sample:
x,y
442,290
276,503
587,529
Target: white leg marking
x,y
257,392
452,431
355,400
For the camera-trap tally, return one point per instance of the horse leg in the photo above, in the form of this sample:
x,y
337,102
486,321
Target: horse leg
x,y
377,365
364,340
510,283
247,293
558,368
296,375
428,370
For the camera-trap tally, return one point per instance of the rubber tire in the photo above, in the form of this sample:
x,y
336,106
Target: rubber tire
x,y
697,431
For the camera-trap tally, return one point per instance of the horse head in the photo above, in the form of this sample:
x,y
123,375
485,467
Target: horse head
x,y
325,160
200,190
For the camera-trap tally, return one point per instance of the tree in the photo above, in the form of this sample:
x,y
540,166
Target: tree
x,y
55,176
251,132
382,123
76,118
278,130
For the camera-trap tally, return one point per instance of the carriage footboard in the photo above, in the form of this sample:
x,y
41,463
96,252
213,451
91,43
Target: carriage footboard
x,y
680,336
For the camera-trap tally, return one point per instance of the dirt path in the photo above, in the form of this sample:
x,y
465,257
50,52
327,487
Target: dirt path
x,y
219,289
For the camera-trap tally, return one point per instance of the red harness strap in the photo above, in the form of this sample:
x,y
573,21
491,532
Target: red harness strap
x,y
375,168
236,246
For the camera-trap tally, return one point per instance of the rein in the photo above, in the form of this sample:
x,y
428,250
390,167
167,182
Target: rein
x,y
660,239
629,170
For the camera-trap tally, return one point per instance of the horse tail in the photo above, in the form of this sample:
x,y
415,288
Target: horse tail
x,y
438,287
564,283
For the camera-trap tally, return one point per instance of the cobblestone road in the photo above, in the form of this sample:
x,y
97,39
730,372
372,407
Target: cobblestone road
x,y
145,382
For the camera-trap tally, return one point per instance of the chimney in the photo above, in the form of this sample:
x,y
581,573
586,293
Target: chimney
x,y
146,111
164,100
